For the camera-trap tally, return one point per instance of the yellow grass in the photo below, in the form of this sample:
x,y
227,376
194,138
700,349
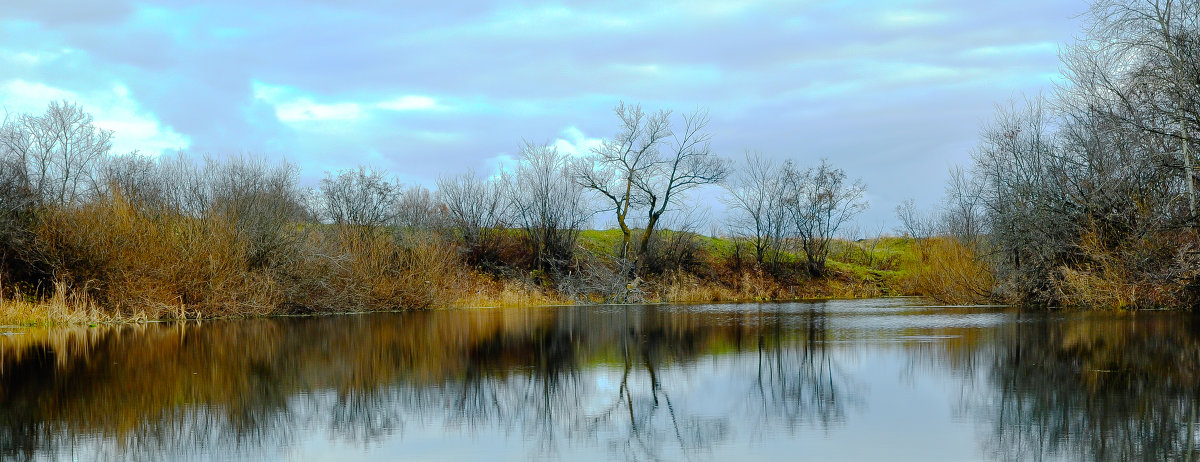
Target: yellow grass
x,y
949,272
506,293
64,307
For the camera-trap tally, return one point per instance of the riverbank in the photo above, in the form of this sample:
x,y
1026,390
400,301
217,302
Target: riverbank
x,y
713,270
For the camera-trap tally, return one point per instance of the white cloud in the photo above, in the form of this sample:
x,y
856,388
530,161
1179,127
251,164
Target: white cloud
x,y
134,128
291,106
574,143
1019,49
410,103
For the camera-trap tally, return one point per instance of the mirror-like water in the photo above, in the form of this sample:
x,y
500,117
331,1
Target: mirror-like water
x,y
840,380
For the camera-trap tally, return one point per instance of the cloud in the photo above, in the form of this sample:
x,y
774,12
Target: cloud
x,y
889,91
134,128
913,18
1017,49
410,103
574,143
293,106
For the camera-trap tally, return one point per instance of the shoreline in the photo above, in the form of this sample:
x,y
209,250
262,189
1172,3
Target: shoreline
x,y
134,320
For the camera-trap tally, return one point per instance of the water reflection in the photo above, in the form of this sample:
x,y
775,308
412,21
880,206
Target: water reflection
x,y
1091,387
644,383
556,377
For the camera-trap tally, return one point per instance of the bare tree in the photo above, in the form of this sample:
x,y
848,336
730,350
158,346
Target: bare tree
x,y
547,204
1145,55
137,178
260,199
821,200
962,215
476,209
58,150
364,197
418,210
648,165
915,223
755,199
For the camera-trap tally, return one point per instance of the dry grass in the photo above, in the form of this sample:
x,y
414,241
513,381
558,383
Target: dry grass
x,y
490,292
756,285
1110,277
63,307
155,266
949,272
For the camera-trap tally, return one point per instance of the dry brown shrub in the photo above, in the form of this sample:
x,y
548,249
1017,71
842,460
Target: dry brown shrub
x,y
730,286
486,291
1152,272
345,269
64,306
949,272
154,265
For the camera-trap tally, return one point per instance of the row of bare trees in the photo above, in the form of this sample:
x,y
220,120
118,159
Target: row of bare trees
x,y
784,207
525,219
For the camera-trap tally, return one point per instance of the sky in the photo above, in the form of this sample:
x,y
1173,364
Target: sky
x,y
893,92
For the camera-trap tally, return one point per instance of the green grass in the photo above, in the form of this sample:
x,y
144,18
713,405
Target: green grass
x,y
866,259
600,241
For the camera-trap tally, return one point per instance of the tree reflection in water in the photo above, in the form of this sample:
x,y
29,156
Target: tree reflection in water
x,y
251,388
1090,386
602,382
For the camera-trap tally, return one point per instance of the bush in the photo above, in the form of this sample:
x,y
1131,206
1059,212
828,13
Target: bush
x,y
949,272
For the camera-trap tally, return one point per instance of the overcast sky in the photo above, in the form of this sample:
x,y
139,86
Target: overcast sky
x,y
893,92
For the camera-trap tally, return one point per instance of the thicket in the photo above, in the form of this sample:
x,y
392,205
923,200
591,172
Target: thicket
x,y
1086,195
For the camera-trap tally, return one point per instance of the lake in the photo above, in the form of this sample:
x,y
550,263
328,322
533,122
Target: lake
x,y
884,379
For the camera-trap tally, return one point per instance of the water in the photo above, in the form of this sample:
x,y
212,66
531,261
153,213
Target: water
x,y
839,380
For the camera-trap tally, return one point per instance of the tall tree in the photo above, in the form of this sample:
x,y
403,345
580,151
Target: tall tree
x,y
1145,56
648,165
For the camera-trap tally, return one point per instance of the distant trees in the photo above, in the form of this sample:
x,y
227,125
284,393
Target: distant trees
x,y
821,200
1087,195
476,208
647,166
54,153
364,198
772,206
240,234
757,201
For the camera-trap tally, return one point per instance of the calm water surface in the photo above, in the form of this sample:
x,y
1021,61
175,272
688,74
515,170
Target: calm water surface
x,y
839,380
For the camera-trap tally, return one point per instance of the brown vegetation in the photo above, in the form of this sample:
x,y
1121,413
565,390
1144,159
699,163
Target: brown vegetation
x,y
87,235
950,272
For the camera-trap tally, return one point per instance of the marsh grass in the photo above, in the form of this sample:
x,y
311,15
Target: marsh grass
x,y
62,307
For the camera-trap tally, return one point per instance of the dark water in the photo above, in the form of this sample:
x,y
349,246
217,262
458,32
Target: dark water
x,y
842,380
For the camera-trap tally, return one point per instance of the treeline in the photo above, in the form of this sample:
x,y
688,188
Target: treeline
x,y
128,235
1087,195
